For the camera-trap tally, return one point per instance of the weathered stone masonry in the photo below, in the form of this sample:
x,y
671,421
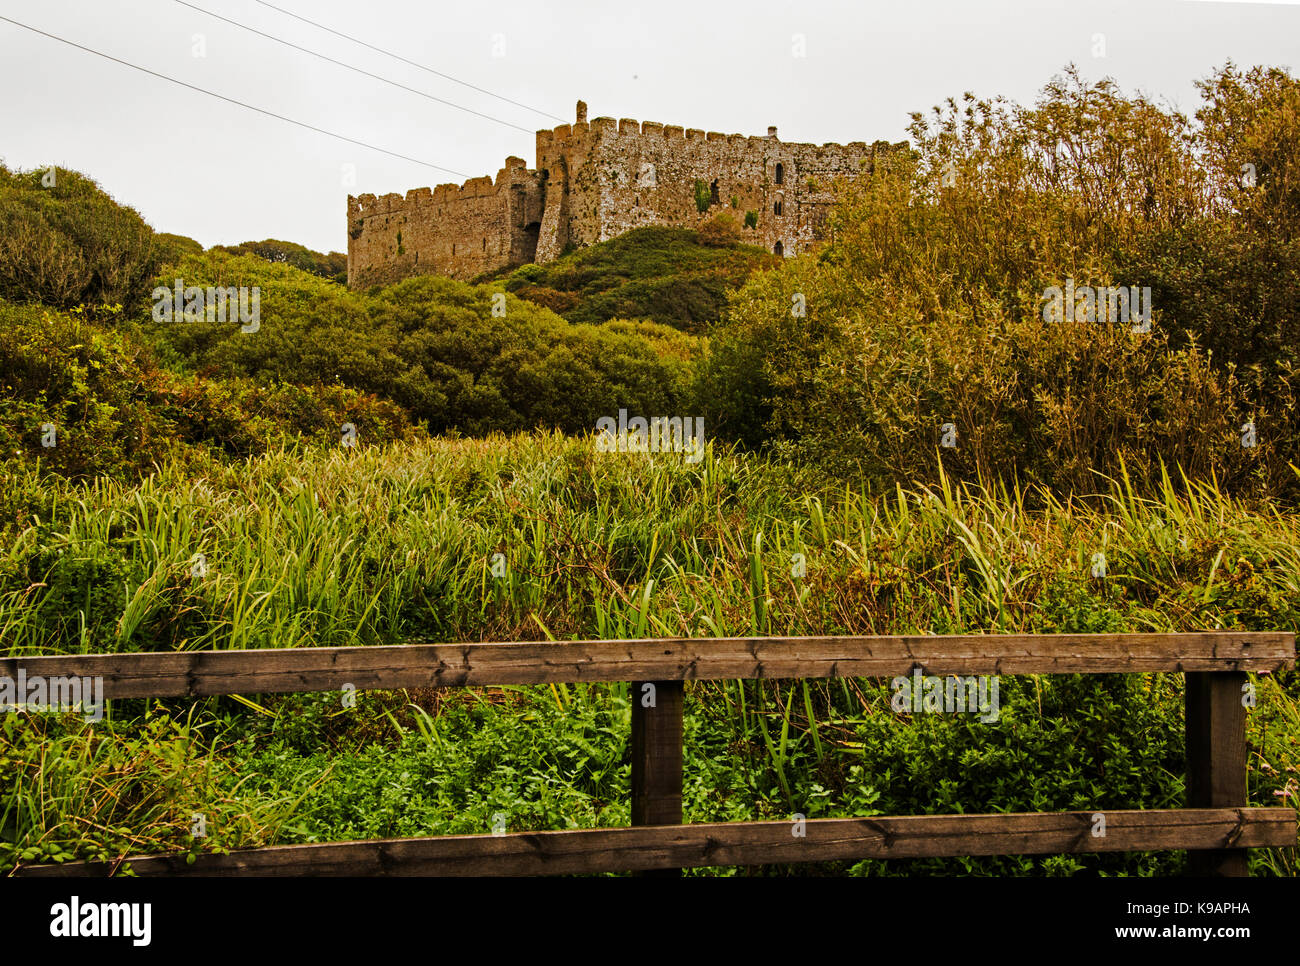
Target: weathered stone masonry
x,y
593,181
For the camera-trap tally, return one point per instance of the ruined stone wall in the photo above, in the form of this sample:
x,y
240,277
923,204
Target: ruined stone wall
x,y
620,175
455,230
596,180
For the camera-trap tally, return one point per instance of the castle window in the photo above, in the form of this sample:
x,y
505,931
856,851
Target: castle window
x,y
776,208
780,173
713,193
778,249
484,244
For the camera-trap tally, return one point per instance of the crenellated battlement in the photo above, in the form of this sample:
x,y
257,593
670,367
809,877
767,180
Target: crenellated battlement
x,y
630,127
367,205
595,179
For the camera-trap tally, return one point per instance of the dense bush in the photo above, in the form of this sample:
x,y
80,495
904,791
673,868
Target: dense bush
x,y
527,368
86,400
926,309
1231,278
172,248
333,266
454,355
667,275
720,231
64,242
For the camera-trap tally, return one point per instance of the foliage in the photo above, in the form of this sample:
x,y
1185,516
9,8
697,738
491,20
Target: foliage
x,y
79,399
703,196
926,308
172,248
720,231
383,545
437,348
666,275
333,266
64,242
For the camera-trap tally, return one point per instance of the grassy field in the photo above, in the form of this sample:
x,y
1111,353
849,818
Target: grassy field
x,y
337,546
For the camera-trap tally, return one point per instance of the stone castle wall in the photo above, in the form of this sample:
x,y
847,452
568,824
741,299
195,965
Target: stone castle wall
x,y
625,174
461,231
594,181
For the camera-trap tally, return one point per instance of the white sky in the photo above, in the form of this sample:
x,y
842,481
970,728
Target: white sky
x,y
221,174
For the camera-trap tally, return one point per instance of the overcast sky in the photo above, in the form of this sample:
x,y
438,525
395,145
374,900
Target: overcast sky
x,y
820,71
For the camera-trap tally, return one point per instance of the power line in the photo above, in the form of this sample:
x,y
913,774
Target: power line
x,y
340,63
231,100
389,53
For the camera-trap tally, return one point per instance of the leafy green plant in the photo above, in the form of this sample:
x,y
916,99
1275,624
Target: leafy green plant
x,y
663,274
703,196
389,544
64,242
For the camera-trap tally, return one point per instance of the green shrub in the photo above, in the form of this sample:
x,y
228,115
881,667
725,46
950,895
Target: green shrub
x,y
703,196
720,231
663,274
431,345
172,248
925,309
107,406
333,266
67,243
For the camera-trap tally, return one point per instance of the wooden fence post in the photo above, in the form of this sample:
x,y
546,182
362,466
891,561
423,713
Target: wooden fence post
x,y
657,756
1216,759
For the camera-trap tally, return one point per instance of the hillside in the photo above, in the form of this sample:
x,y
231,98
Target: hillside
x,y
663,274
101,378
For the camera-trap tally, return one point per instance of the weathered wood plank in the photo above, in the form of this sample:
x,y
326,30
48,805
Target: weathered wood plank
x,y
656,746
194,673
581,851
1215,725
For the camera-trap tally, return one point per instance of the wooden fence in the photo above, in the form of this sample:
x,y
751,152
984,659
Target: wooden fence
x,y
1216,826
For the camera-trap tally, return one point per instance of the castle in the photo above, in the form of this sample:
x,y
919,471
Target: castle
x,y
595,180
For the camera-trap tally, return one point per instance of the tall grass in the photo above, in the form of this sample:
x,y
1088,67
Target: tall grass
x,y
308,548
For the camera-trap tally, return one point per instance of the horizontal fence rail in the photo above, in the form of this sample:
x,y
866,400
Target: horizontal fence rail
x,y
665,847
1215,828
202,673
